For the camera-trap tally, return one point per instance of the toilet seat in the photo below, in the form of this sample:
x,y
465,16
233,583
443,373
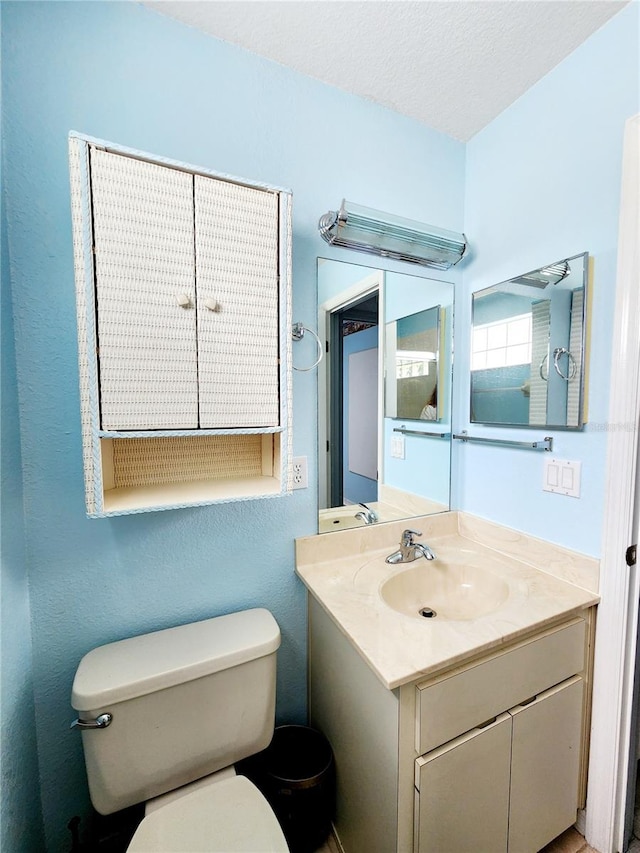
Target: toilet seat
x,y
231,816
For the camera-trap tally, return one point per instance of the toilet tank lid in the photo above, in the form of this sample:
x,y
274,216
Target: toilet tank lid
x,y
140,665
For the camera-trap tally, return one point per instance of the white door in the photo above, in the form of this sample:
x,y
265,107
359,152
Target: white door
x,y
612,748
362,415
145,291
236,236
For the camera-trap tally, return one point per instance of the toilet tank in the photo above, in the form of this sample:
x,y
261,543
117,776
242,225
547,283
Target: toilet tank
x,y
184,702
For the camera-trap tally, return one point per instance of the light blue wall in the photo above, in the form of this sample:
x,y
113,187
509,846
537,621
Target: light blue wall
x,y
543,183
21,821
334,279
123,73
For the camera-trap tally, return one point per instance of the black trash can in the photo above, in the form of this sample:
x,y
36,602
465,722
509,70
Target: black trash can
x,y
299,782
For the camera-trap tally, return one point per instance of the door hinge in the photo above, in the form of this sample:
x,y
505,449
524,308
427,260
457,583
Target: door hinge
x,y
630,556
326,346
327,447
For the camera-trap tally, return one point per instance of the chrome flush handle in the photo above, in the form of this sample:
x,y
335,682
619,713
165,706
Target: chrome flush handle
x,y
100,722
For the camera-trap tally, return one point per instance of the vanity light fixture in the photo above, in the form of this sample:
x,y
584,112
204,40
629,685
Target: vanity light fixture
x,y
368,230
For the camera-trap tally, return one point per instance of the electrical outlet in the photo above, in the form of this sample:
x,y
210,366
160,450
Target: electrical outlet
x,y
300,479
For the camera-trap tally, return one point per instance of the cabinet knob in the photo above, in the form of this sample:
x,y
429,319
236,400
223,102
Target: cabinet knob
x,y
183,300
212,304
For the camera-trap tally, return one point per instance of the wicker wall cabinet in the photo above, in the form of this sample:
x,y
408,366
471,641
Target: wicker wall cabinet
x,y
183,292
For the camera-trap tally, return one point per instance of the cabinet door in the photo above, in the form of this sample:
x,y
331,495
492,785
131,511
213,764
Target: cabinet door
x,y
545,764
145,292
462,797
236,236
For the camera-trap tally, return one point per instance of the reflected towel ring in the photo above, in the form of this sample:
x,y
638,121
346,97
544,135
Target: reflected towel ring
x,y
297,333
557,353
572,367
542,376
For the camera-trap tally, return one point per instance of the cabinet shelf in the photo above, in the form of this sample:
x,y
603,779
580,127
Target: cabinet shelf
x,y
161,472
130,499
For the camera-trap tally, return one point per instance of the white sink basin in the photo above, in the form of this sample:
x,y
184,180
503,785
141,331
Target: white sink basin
x,y
444,591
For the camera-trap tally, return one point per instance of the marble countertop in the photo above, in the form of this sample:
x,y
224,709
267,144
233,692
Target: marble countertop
x,y
401,648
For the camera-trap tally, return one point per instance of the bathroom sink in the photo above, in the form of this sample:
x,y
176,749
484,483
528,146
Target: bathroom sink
x,y
341,518
444,591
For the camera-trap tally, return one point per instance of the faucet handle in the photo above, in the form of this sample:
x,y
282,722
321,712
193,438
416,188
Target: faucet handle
x,y
407,536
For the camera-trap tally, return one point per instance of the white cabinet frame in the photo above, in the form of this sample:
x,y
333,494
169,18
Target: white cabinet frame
x,y
268,448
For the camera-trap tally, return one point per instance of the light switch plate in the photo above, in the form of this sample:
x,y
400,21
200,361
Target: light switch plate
x,y
562,477
397,447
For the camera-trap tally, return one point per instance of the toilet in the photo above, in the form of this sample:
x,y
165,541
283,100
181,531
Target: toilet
x,y
164,717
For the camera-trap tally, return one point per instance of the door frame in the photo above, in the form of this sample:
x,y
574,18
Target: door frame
x,y
337,423
613,742
356,293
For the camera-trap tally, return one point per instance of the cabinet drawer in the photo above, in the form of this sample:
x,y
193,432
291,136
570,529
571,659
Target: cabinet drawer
x,y
459,701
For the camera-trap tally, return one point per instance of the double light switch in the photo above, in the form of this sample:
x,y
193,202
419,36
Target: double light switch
x,y
562,477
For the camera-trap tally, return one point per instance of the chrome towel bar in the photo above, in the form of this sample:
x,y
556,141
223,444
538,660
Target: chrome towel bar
x,y
405,431
544,444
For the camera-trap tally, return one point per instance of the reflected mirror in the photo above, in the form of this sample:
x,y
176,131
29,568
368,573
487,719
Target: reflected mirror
x,y
384,395
528,348
411,359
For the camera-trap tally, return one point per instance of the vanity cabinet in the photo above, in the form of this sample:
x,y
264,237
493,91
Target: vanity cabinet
x,y
487,756
183,294
511,785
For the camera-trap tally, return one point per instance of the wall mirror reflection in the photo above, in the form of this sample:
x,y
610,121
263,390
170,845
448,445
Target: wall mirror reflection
x,y
528,348
384,439
411,376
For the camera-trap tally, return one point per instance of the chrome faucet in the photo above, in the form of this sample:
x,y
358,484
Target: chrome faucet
x,y
410,550
367,514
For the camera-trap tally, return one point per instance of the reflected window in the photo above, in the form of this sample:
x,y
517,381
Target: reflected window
x,y
504,343
414,363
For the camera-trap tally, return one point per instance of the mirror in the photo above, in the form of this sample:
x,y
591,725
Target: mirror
x,y
411,375
528,348
384,395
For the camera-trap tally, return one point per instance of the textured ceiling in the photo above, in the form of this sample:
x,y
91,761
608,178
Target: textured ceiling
x,y
451,64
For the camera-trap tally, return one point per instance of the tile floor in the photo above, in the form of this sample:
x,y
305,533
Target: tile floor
x,y
569,842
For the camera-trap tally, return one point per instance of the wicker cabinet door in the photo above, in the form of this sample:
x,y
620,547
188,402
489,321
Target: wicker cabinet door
x,y
145,291
236,237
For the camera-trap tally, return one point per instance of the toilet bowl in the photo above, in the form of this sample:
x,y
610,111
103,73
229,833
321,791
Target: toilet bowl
x,y
165,716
